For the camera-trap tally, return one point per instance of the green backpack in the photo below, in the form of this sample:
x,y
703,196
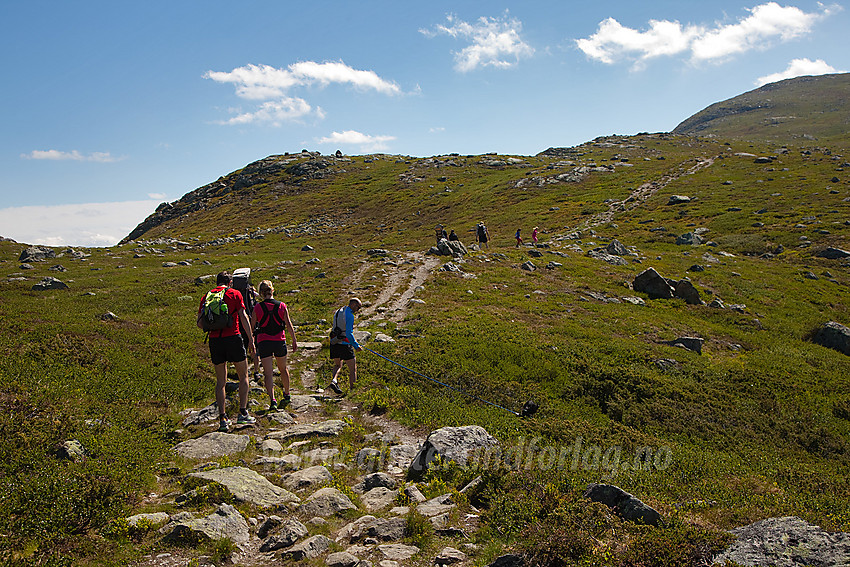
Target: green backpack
x,y
215,316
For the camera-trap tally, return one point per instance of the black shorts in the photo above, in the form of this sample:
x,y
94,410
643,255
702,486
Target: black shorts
x,y
227,349
266,349
343,351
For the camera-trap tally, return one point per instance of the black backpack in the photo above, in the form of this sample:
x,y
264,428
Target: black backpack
x,y
242,283
270,323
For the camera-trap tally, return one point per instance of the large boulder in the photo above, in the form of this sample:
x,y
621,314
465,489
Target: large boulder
x,y
686,290
833,253
450,443
689,239
36,254
310,548
451,248
627,506
250,486
651,283
49,283
381,529
326,502
225,522
616,248
212,445
835,336
786,542
290,532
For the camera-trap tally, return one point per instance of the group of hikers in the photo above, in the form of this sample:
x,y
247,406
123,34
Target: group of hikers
x,y
482,235
238,325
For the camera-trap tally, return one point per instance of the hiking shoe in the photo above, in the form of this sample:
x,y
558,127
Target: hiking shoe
x,y
333,386
284,401
273,406
245,419
224,425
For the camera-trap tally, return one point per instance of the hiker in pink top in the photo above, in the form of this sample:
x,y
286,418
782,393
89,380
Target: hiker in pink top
x,y
270,322
534,235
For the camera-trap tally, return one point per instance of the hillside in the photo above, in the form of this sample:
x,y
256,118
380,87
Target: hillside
x,y
798,111
751,422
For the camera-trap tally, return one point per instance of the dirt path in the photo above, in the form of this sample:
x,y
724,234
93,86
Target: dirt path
x,y
639,196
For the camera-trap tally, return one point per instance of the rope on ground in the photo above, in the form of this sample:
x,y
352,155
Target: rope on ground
x,y
442,383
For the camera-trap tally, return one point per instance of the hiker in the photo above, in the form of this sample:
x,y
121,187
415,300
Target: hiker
x,y
242,284
271,321
440,233
226,346
453,236
534,235
482,235
343,344
518,238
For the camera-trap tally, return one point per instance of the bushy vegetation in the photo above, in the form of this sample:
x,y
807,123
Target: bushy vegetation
x,y
756,426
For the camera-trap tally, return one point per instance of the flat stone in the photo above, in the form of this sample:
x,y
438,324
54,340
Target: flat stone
x,y
378,498
155,519
436,506
326,502
307,478
341,559
280,418
290,532
225,522
204,415
271,446
398,551
310,548
247,485
285,462
299,403
329,428
449,556
211,445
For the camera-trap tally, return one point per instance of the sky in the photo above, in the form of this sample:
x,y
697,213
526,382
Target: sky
x,y
108,109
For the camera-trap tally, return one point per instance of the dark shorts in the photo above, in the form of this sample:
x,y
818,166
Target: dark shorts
x,y
266,349
227,349
343,351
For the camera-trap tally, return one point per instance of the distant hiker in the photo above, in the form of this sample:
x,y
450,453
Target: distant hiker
x,y
226,345
534,235
271,321
440,233
343,344
518,238
482,235
242,283
453,236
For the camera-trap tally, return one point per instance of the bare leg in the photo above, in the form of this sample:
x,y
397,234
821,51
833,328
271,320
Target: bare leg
x,y
284,372
352,372
220,382
337,368
242,372
268,372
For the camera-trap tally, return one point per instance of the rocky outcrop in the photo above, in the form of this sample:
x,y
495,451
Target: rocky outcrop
x,y
835,336
49,283
624,504
450,443
36,254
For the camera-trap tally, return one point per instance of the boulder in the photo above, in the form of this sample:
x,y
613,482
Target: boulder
x,y
212,445
786,542
835,336
436,506
455,248
678,199
341,559
377,252
269,525
651,283
686,290
329,428
153,520
36,254
450,443
693,344
326,502
71,450
225,522
247,485
528,266
49,283
833,254
378,498
535,253
308,477
449,556
310,548
380,529
616,248
624,504
601,254
689,239
290,532
376,480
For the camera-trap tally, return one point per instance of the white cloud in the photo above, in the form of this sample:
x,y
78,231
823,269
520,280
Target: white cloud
x,y
765,23
157,196
436,129
366,142
799,68
56,155
87,224
273,85
495,42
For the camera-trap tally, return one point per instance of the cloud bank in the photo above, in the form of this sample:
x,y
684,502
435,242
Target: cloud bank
x,y
799,68
495,42
766,23
57,155
366,142
88,224
273,85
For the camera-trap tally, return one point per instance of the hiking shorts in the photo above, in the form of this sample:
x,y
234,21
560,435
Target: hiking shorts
x,y
342,351
266,349
227,349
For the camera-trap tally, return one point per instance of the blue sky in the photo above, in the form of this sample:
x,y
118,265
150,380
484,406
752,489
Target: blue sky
x,y
109,108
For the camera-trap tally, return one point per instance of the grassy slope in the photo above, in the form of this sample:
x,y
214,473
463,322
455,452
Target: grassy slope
x,y
755,430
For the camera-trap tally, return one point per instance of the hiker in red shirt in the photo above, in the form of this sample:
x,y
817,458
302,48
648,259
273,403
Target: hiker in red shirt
x,y
226,346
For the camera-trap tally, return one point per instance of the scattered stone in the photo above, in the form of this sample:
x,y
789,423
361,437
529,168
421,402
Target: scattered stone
x,y
378,498
833,254
225,522
26,266
310,548
36,254
290,461
552,265
601,254
413,492
326,502
835,336
108,316
269,525
169,264
280,418
693,344
205,415
786,542
212,445
71,450
450,443
247,485
624,504
341,559
380,529
528,266
634,300
436,506
382,338
449,556
154,520
299,403
376,480
509,560
290,532
57,268
377,252
329,428
306,248
616,248
651,283
397,551
49,283
307,478
689,239
686,290
535,253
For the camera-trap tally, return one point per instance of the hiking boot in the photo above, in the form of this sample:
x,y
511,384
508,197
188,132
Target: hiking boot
x,y
224,425
273,406
333,386
245,419
284,401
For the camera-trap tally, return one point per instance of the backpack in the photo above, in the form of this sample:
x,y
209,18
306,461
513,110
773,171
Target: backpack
x,y
242,284
215,315
270,323
338,331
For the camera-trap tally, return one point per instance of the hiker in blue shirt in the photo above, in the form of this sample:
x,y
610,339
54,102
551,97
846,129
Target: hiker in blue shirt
x,y
343,343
